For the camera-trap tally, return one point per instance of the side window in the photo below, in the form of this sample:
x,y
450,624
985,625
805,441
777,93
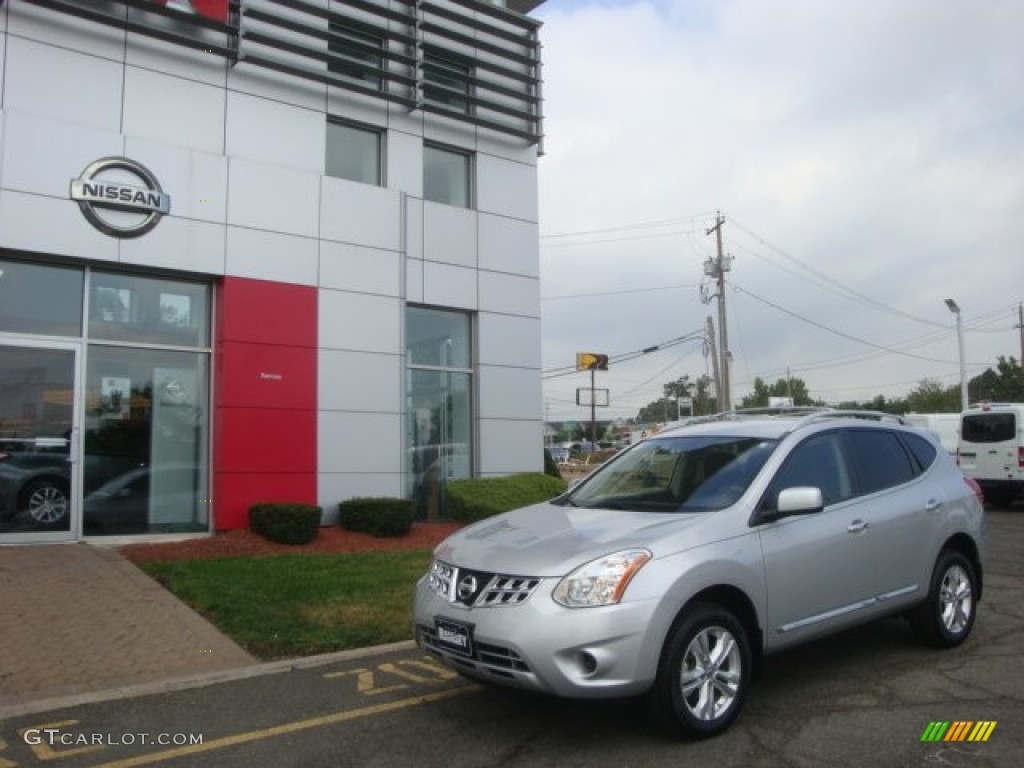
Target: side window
x,y
447,174
446,80
354,152
357,54
924,453
880,459
817,462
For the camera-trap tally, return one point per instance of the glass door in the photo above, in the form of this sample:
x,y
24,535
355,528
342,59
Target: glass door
x,y
38,446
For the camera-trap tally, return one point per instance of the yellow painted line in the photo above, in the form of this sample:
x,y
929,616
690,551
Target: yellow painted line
x,y
281,730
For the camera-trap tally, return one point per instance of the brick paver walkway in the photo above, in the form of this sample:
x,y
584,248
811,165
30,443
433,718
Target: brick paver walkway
x,y
77,619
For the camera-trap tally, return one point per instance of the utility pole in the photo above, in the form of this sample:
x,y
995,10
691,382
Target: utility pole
x,y
714,363
1020,325
717,269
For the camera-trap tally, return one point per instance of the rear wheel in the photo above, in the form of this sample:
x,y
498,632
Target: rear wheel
x,y
703,674
945,619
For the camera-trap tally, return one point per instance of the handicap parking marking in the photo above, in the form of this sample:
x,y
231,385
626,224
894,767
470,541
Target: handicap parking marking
x,y
413,677
427,672
287,728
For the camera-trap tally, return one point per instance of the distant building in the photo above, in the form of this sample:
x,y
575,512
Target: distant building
x,y
263,251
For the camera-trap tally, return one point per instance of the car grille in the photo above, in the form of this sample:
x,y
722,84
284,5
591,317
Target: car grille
x,y
476,589
498,659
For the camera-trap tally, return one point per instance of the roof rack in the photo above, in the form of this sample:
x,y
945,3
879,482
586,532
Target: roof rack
x,y
837,413
807,414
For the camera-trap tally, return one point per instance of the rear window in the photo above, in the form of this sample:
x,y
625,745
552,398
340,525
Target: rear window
x,y
924,452
989,428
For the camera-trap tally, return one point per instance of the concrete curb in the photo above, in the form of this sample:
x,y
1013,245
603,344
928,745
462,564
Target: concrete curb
x,y
201,681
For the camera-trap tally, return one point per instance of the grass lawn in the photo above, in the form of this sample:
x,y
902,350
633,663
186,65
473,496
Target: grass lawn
x,y
303,604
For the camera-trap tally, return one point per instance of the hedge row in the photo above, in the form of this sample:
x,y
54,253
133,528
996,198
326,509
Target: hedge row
x,y
376,516
285,523
469,500
476,498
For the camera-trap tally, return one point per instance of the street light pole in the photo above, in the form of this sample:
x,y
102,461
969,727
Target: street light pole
x,y
955,309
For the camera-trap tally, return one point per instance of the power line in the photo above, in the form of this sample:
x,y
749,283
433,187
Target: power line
x,y
626,227
630,239
617,293
833,331
832,284
626,357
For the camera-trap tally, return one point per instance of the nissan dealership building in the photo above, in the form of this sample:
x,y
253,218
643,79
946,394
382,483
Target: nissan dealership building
x,y
263,250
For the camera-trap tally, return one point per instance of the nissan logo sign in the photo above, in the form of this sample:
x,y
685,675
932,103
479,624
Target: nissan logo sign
x,y
136,208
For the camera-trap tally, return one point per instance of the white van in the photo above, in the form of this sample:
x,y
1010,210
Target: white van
x,y
945,426
991,449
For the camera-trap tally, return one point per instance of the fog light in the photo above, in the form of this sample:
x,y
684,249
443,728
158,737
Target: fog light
x,y
588,663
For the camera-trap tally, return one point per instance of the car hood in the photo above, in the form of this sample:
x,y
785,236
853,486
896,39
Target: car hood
x,y
551,540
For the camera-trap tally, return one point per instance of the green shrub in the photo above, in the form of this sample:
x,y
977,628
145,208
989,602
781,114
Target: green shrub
x,y
550,467
378,517
476,498
285,522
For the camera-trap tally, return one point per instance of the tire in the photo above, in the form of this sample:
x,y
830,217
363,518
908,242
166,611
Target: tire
x,y
703,674
46,502
945,618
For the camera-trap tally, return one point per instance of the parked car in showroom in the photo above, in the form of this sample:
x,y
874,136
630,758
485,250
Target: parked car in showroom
x,y
35,481
677,565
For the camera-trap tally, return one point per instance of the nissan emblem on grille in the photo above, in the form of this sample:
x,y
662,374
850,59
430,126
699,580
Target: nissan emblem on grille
x,y
467,587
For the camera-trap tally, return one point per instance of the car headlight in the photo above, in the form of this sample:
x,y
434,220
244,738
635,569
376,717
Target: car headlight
x,y
602,581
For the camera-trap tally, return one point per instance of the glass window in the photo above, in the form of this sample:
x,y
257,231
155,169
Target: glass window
x,y
880,459
989,427
40,299
439,426
36,401
676,475
354,152
816,463
446,80
357,53
923,451
438,338
146,436
446,175
149,310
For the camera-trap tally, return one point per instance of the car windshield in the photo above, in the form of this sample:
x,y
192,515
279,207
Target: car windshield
x,y
675,474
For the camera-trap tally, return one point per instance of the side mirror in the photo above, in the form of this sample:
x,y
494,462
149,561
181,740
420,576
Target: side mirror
x,y
800,500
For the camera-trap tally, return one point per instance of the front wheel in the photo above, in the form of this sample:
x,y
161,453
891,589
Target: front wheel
x,y
46,502
945,619
703,674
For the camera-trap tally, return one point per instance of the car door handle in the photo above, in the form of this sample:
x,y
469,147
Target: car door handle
x,y
857,526
932,505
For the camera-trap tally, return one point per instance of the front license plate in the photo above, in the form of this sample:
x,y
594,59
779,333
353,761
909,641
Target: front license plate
x,y
454,636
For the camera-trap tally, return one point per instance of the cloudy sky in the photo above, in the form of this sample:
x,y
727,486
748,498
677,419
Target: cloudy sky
x,y
868,158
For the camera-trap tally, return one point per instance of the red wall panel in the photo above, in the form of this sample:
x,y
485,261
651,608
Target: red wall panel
x,y
267,375
241,491
265,397
265,312
267,440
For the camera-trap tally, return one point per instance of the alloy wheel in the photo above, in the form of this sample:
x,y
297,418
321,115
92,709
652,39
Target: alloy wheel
x,y
956,599
47,505
710,675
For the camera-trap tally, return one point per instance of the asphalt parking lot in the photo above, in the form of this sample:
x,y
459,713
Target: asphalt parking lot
x,y
863,697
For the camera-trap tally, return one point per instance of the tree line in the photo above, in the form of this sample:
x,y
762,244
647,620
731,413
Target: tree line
x,y
1003,383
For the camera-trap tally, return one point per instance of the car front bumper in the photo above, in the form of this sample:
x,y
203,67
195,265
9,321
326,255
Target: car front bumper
x,y
539,645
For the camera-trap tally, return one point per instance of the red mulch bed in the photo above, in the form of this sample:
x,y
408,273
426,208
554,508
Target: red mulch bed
x,y
245,543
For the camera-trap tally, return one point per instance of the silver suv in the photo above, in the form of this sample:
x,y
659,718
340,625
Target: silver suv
x,y
676,565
